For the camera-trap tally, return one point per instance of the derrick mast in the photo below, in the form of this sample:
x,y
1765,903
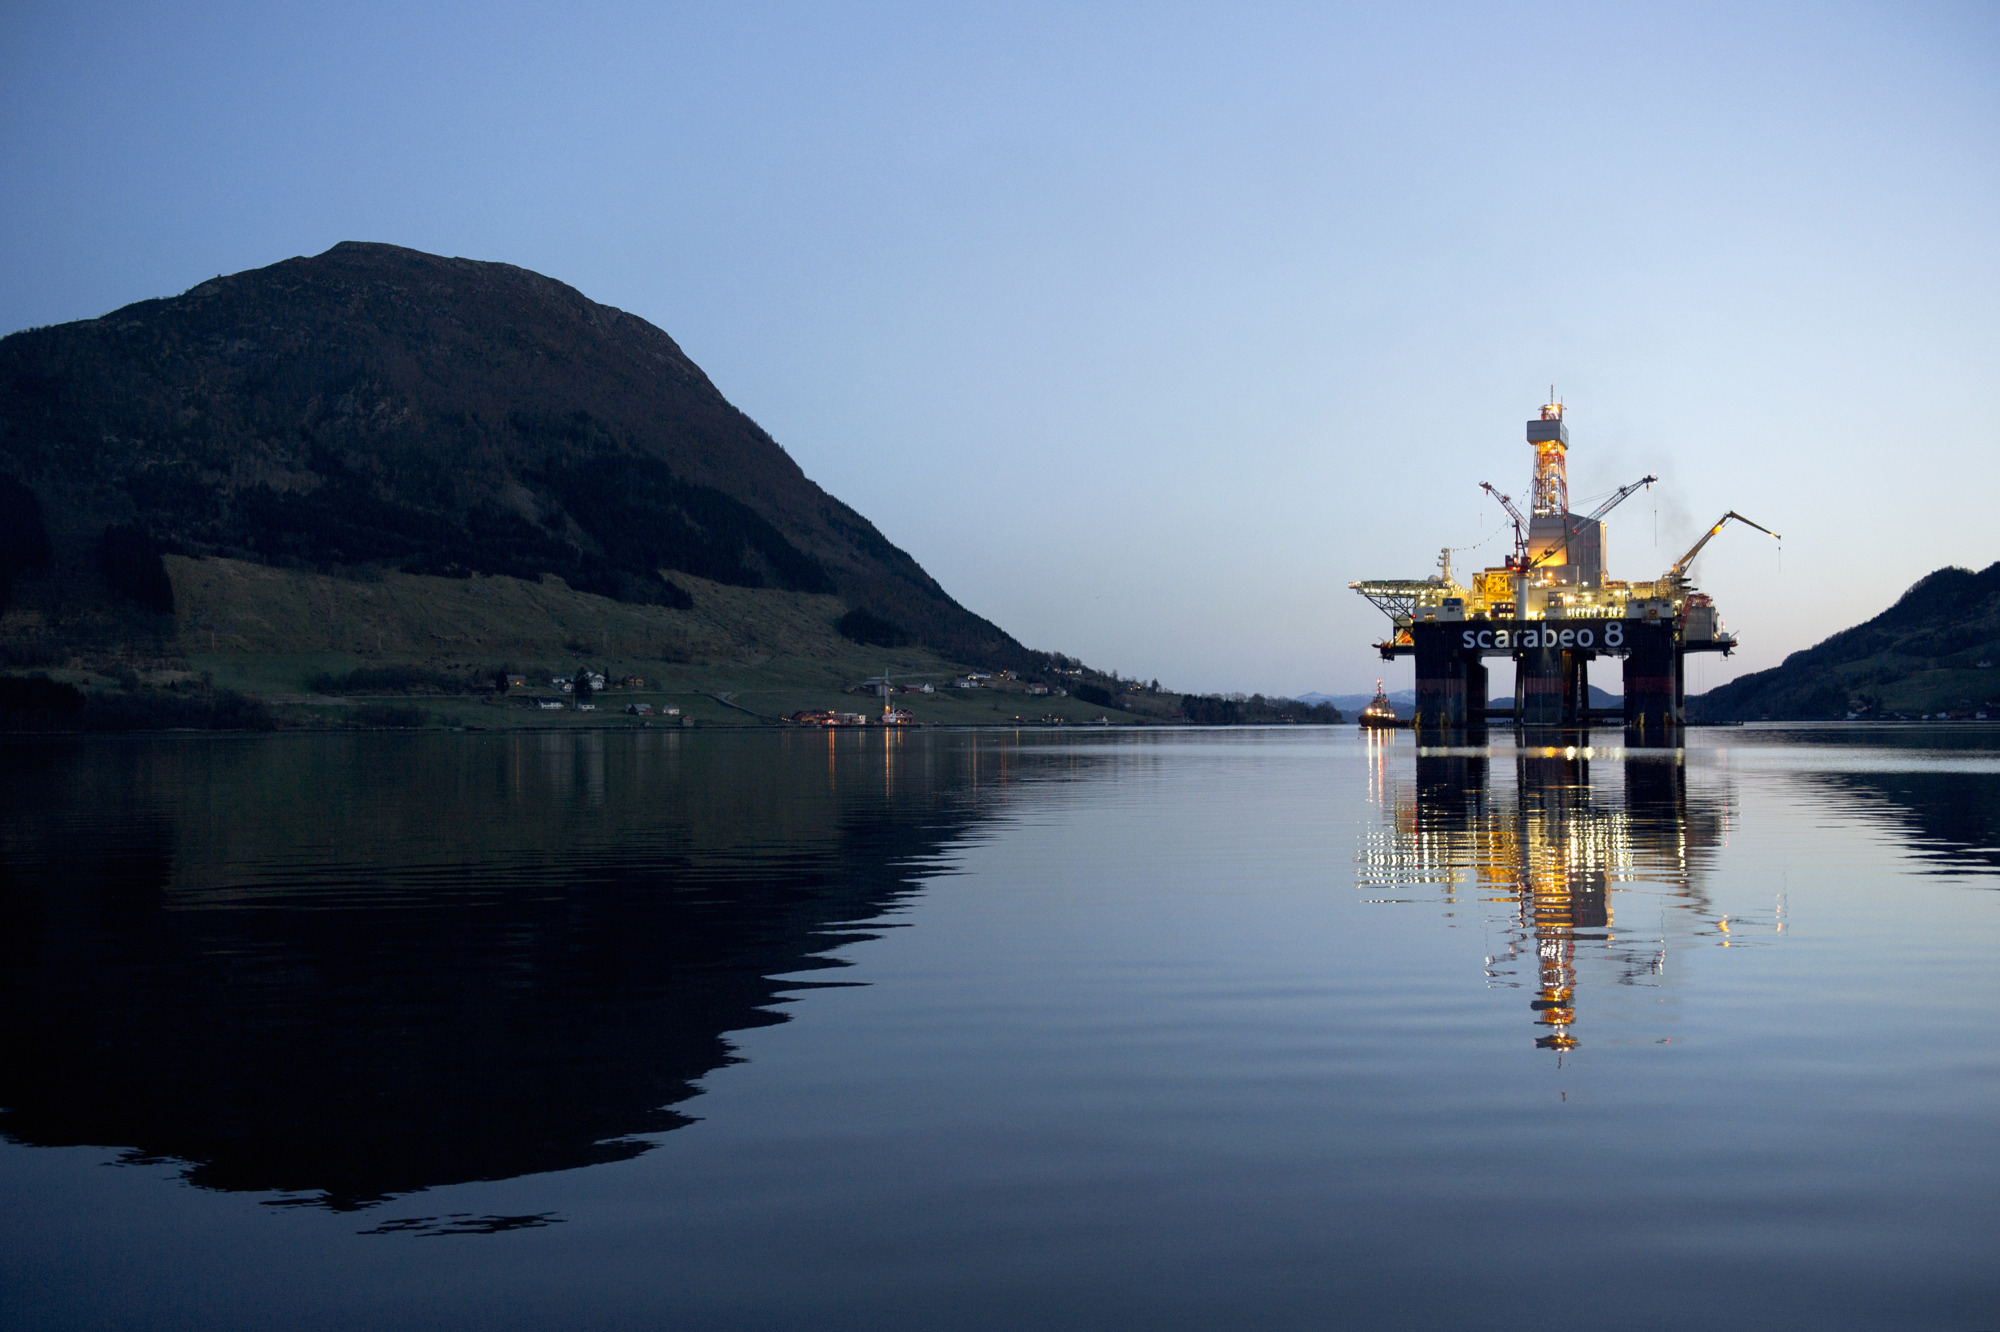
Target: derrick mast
x,y
1567,549
1551,440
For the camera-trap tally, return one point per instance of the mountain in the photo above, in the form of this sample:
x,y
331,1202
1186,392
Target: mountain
x,y
376,410
1922,655
1404,701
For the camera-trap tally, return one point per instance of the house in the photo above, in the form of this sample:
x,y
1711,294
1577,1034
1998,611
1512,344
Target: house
x,y
635,682
1038,690
639,709
517,681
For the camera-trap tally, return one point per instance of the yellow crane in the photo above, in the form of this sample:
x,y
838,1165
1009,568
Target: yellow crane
x,y
1677,574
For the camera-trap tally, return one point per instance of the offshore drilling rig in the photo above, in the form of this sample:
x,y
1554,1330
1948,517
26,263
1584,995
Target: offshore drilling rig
x,y
1551,607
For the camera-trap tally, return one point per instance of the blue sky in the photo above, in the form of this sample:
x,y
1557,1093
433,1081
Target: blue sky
x,y
1148,328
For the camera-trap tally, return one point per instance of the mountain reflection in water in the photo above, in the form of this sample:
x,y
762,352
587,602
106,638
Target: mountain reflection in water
x,y
350,967
1575,830
1949,819
1934,788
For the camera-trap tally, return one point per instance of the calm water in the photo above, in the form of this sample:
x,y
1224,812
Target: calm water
x,y
1291,1028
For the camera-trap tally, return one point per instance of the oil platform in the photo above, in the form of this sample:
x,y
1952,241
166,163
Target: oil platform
x,y
1552,608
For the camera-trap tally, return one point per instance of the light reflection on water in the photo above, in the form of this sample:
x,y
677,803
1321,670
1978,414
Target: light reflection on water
x,y
1585,862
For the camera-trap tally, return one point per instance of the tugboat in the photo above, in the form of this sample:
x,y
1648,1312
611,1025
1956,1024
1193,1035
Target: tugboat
x,y
1379,714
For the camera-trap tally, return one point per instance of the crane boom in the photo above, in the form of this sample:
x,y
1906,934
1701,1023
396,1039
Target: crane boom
x,y
1520,523
1597,513
1679,570
1624,493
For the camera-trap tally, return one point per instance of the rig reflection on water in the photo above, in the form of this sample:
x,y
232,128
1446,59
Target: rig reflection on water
x,y
1576,825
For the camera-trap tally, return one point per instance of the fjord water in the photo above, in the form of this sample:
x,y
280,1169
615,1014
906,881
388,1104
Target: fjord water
x,y
1281,1028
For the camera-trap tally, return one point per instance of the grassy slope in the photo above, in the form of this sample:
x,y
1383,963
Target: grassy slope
x,y
269,631
230,607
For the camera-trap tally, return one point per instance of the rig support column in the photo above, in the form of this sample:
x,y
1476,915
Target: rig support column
x,y
1538,687
1441,673
1551,687
1653,685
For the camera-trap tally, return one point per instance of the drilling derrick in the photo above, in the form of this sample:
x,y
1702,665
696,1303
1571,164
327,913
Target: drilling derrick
x,y
1551,440
1553,608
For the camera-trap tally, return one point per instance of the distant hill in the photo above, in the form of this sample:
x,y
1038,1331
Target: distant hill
x,y
375,410
1922,655
1350,705
1404,701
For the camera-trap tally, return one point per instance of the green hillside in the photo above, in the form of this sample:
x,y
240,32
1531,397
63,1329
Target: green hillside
x,y
1937,650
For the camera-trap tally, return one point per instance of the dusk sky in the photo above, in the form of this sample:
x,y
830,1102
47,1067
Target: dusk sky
x,y
1146,329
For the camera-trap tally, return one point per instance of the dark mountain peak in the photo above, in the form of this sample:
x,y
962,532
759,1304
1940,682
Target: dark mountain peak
x,y
1922,654
1947,592
434,306
1945,599
377,406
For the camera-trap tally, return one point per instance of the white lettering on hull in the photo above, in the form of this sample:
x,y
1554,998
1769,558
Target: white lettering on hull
x,y
1473,640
